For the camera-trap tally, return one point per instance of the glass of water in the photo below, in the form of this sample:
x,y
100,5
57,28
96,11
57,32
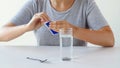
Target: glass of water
x,y
66,44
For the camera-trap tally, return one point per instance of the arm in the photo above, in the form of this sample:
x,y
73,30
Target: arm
x,y
103,36
11,31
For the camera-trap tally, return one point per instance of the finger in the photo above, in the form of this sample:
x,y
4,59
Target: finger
x,y
37,16
42,19
60,25
43,14
52,25
48,18
45,19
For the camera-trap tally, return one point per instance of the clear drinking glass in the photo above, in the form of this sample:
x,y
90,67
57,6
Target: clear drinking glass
x,y
66,44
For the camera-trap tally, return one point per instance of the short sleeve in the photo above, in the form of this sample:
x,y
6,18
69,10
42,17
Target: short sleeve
x,y
95,19
25,13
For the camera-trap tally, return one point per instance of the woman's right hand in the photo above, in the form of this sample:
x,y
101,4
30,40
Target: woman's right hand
x,y
37,21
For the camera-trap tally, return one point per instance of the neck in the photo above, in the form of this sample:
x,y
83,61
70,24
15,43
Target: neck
x,y
61,5
60,1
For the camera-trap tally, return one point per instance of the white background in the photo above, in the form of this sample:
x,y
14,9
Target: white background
x,y
109,8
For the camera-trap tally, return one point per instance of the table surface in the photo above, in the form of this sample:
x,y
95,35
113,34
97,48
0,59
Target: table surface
x,y
83,57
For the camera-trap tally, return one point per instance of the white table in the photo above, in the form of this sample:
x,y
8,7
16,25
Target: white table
x,y
84,57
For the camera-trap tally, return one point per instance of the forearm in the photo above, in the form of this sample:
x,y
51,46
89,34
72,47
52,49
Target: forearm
x,y
9,33
103,38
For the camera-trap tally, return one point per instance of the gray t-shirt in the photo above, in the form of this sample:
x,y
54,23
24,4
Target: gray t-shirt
x,y
83,14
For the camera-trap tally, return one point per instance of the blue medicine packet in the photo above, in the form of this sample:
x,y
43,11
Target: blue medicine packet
x,y
51,31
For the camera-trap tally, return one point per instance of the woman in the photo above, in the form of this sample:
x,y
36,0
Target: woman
x,y
82,15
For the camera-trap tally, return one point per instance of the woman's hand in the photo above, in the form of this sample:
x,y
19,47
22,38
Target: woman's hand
x,y
37,21
56,25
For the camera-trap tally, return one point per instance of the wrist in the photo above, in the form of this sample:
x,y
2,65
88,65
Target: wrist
x,y
26,28
75,29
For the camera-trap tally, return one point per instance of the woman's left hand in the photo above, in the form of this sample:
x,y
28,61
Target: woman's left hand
x,y
56,25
